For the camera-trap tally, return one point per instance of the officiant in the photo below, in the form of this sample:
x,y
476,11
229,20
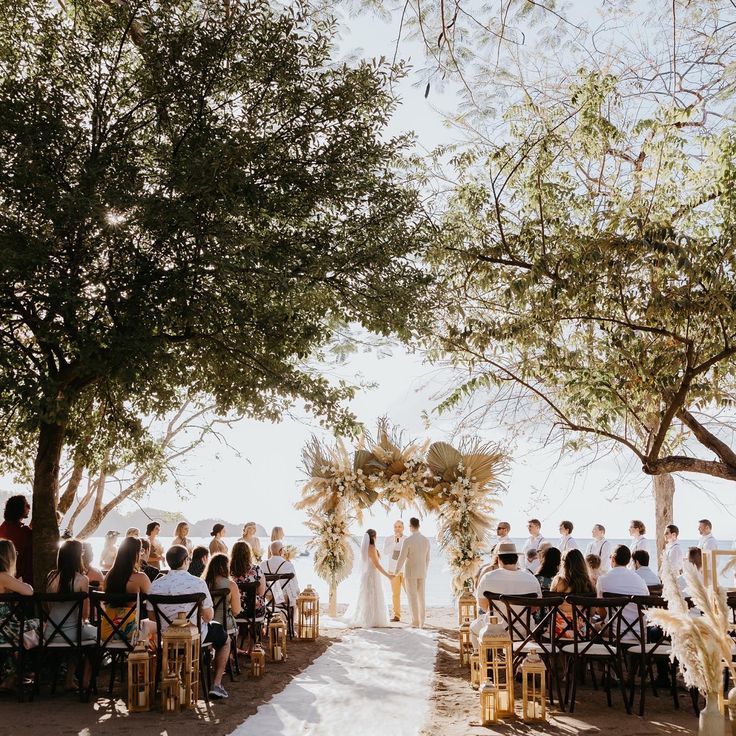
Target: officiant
x,y
391,551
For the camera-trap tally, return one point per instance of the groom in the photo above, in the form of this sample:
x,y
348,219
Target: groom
x,y
414,561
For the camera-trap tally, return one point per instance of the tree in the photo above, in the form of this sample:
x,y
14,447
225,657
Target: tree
x,y
589,240
190,209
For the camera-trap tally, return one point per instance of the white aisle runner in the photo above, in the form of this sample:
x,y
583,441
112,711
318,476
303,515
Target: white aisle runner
x,y
373,681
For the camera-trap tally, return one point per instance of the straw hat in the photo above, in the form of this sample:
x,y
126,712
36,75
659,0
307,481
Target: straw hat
x,y
506,548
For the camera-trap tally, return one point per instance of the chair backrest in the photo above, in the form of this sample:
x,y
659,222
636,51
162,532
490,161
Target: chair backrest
x,y
590,628
273,582
496,606
60,614
221,603
529,620
110,626
12,620
191,604
654,590
248,600
645,602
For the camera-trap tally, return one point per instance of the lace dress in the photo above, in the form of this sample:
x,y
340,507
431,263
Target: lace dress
x,y
369,610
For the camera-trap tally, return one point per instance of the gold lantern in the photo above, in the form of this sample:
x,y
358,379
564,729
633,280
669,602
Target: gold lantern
x,y
257,661
171,687
277,639
140,680
466,645
181,657
475,677
467,607
533,688
496,664
307,606
488,703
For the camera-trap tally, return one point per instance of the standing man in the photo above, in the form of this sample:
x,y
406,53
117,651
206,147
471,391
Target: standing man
x,y
391,552
17,508
600,546
707,541
567,542
672,550
535,538
414,561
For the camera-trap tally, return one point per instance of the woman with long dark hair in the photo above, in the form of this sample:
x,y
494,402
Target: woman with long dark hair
x,y
217,577
573,579
549,567
243,570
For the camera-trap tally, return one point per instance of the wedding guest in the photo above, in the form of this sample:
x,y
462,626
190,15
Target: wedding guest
x,y
622,580
642,569
250,535
179,582
694,557
92,573
672,550
391,552
148,570
156,553
243,571
133,531
549,565
707,541
276,564
532,561
535,535
217,577
198,564
277,534
109,550
567,541
16,510
68,577
601,547
508,579
10,633
180,536
573,579
124,577
593,563
217,546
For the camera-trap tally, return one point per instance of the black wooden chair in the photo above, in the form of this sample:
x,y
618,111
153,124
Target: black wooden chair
x,y
250,621
221,602
279,580
12,628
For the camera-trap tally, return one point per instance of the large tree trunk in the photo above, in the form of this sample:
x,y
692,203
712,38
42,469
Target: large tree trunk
x,y
45,498
663,490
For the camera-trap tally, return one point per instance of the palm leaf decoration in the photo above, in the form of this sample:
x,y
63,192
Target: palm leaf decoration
x,y
444,460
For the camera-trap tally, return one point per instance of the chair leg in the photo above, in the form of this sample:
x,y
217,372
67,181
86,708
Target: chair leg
x,y
673,686
113,663
620,675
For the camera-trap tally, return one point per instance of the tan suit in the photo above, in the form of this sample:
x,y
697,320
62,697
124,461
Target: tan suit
x,y
414,561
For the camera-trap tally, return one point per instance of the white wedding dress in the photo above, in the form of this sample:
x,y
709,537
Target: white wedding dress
x,y
369,610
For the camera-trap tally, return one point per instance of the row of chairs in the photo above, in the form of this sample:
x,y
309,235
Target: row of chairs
x,y
573,633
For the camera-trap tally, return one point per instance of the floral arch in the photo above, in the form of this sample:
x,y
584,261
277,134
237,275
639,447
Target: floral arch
x,y
461,486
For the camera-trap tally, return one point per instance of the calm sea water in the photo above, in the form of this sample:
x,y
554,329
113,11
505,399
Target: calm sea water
x,y
438,587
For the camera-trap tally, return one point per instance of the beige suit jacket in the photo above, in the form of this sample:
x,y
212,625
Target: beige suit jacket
x,y
414,556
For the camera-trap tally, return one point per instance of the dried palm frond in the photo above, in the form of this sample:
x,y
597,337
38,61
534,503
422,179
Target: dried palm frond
x,y
444,461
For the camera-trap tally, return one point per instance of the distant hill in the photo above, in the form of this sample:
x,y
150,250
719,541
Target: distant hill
x,y
168,520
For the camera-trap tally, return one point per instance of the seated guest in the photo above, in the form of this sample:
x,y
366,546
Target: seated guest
x,y
642,569
278,565
217,546
532,561
69,578
549,565
623,581
180,536
508,579
109,550
573,579
593,563
180,582
10,584
16,510
124,577
148,570
244,571
694,557
92,573
198,564
217,578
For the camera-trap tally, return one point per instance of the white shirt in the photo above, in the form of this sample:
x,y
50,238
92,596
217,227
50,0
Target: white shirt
x,y
531,543
707,542
673,552
180,582
604,550
391,551
623,581
567,543
277,565
638,543
648,575
508,582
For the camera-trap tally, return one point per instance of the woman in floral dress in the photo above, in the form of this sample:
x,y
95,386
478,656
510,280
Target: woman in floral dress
x,y
244,571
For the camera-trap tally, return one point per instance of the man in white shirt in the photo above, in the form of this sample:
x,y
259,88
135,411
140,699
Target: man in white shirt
x,y
391,552
567,542
276,564
672,550
535,538
707,541
600,547
642,569
508,579
179,582
622,581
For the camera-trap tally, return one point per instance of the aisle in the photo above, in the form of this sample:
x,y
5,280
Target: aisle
x,y
373,681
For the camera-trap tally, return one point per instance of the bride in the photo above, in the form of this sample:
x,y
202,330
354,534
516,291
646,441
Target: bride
x,y
369,611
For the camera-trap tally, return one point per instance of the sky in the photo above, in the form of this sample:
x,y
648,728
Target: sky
x,y
260,480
